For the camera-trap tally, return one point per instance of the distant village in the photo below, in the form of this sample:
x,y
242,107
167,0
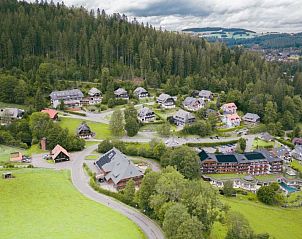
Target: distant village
x,y
114,168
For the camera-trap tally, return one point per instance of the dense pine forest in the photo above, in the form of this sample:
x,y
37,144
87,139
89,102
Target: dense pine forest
x,y
45,46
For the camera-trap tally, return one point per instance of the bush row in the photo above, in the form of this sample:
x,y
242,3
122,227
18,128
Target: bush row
x,y
75,112
211,144
285,142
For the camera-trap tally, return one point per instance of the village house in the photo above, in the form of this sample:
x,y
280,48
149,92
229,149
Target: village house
x,y
16,157
146,115
231,120
297,141
247,183
206,95
53,114
229,108
94,97
182,117
116,169
70,98
253,163
7,115
59,154
193,104
266,137
121,93
166,101
283,153
251,118
141,93
84,131
297,152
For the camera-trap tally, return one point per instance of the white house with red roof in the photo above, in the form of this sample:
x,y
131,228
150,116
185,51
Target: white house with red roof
x,y
231,120
229,108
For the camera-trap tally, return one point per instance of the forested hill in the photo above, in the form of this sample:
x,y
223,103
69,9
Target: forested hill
x,y
42,44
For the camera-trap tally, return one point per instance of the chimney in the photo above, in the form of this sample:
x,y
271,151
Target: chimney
x,y
43,143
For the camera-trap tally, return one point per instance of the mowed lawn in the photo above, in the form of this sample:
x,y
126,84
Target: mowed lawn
x,y
101,130
280,223
42,203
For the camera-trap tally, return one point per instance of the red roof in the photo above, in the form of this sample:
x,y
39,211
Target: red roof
x,y
57,150
52,113
233,117
229,105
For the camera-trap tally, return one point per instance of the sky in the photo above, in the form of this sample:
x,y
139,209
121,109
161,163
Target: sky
x,y
257,15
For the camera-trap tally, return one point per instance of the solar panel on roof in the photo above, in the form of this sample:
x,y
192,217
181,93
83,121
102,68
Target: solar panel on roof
x,y
254,156
226,158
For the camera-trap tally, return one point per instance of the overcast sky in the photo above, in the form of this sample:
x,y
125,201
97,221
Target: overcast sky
x,y
258,15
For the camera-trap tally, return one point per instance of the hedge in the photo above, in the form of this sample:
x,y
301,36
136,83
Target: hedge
x,y
283,141
211,144
230,129
75,112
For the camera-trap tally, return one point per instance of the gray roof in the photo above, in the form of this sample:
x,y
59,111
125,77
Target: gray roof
x,y
266,136
144,111
66,94
281,151
191,101
140,90
117,166
184,115
11,112
120,91
94,91
298,149
83,127
251,117
163,97
205,93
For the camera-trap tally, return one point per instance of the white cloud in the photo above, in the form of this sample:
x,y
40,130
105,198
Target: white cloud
x,y
258,15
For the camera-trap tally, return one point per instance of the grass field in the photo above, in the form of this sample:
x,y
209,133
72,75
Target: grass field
x,y
41,203
90,143
295,164
280,223
262,144
8,105
102,130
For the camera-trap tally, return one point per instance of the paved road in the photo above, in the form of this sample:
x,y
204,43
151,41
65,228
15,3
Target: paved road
x,y
81,181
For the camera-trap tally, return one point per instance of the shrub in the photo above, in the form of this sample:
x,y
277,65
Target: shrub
x,y
75,112
211,144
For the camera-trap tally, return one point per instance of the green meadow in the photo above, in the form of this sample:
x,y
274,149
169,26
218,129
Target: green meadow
x,y
40,203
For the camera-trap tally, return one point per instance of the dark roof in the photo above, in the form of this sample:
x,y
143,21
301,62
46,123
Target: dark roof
x,y
83,127
254,156
226,158
106,158
203,155
117,166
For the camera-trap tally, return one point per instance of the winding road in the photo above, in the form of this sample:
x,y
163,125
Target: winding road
x,y
81,181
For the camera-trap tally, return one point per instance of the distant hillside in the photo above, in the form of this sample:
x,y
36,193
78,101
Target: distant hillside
x,y
216,29
248,38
